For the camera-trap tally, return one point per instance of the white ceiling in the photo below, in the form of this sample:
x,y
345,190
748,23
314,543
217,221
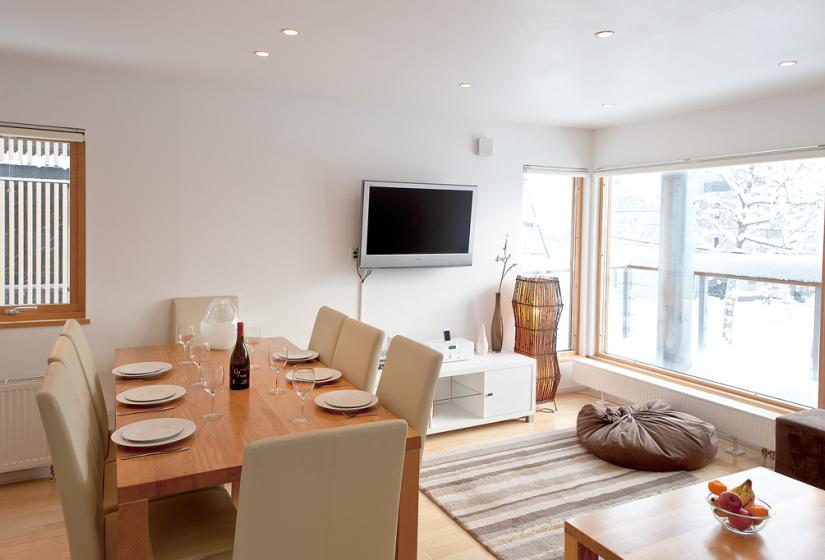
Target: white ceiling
x,y
529,60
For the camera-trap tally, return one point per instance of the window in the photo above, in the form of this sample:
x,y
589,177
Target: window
x,y
42,238
550,239
716,273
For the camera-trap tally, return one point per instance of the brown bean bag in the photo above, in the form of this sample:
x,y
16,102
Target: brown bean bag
x,y
650,437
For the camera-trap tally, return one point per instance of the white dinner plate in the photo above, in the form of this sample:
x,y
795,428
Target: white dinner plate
x,y
187,429
143,368
349,398
123,396
119,375
298,355
155,430
149,393
322,401
322,375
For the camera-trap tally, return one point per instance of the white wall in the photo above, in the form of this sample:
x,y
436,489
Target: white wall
x,y
199,188
786,121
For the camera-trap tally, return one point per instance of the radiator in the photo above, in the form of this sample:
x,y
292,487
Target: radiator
x,y
749,424
22,439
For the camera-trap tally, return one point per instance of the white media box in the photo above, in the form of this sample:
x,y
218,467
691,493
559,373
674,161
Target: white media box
x,y
455,350
485,389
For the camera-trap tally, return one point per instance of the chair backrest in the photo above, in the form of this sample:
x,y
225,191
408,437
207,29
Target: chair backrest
x,y
357,353
190,311
74,332
71,430
408,382
65,351
325,333
335,494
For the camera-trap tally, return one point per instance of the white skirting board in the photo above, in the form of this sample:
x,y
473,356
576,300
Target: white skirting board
x,y
747,423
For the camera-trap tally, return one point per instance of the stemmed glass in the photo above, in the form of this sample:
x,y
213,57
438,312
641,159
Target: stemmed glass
x,y
285,356
199,353
275,365
253,338
185,335
213,378
303,381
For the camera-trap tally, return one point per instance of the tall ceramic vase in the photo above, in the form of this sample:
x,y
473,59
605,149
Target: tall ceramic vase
x,y
481,342
497,326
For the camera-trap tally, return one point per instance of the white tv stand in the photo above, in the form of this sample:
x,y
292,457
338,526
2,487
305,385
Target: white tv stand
x,y
488,388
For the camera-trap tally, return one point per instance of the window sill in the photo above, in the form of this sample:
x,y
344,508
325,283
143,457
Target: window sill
x,y
702,387
568,356
40,323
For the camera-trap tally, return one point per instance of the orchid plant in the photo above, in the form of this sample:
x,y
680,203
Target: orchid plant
x,y
506,265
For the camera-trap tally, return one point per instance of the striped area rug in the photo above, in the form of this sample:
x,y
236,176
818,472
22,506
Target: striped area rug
x,y
514,496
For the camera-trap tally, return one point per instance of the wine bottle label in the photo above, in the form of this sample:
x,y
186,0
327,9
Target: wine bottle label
x,y
239,378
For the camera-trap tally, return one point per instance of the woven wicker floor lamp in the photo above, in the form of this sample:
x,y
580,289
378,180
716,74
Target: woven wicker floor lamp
x,y
537,308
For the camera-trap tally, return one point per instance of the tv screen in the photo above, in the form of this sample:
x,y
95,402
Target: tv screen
x,y
416,224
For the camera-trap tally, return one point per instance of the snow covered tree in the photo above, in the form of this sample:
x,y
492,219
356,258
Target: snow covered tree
x,y
765,208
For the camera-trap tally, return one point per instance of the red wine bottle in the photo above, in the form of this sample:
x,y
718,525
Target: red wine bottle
x,y
239,364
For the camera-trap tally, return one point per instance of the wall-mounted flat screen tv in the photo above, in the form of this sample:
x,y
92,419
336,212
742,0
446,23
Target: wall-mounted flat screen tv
x,y
416,224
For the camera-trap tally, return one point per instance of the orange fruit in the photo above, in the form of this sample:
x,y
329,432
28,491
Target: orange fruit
x,y
717,487
756,510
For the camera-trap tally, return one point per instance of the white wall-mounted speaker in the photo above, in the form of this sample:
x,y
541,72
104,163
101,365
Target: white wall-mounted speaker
x,y
484,146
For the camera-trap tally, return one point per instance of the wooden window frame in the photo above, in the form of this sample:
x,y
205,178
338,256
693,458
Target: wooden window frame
x,y
576,222
575,269
681,378
57,314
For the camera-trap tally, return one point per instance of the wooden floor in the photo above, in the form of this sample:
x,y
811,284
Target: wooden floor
x,y
31,522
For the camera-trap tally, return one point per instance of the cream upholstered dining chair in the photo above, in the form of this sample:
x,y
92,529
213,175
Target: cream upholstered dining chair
x,y
328,323
336,494
63,352
408,382
190,311
357,353
195,525
73,332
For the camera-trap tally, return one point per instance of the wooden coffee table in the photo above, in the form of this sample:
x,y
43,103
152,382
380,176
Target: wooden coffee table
x,y
679,525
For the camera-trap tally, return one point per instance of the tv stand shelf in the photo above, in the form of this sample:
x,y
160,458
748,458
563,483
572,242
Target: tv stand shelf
x,y
488,388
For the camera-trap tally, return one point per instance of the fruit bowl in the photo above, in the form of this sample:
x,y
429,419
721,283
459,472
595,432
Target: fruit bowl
x,y
742,524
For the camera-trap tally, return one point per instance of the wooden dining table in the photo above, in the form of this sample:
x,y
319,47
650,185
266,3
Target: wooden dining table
x,y
215,454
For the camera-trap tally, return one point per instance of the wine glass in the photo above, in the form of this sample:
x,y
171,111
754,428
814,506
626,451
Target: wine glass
x,y
199,353
285,356
303,381
253,338
275,365
285,360
213,378
185,335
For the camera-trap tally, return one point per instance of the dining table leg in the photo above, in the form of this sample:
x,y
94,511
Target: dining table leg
x,y
133,530
406,543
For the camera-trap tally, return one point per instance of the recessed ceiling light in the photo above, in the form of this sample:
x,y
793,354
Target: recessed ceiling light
x,y
262,54
289,32
786,63
465,84
605,34
608,105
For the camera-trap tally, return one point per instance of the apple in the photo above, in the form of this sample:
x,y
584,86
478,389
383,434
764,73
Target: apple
x,y
740,523
730,502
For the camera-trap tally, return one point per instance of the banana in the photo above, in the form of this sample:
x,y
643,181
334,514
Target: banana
x,y
745,492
